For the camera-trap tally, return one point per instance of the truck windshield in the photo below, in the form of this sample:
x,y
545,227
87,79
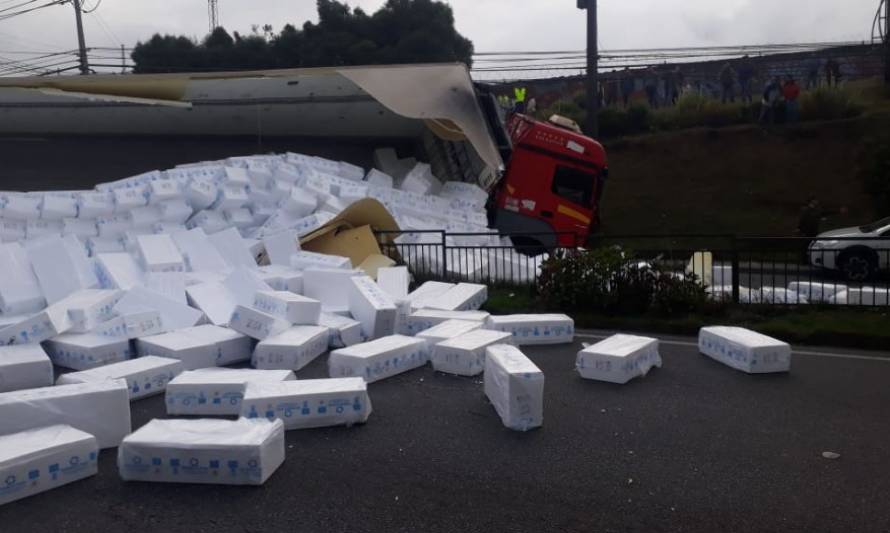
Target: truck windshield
x,y
574,185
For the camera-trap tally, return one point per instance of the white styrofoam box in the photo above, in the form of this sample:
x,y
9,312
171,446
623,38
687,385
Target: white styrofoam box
x,y
45,458
351,172
80,227
343,331
214,299
403,311
379,179
118,271
394,281
745,350
90,307
465,355
282,278
468,195
197,278
424,319
113,226
244,284
386,159
159,253
61,267
144,218
201,193
193,351
535,329
352,193
309,403
334,206
101,409
215,391
145,376
163,190
372,307
104,245
330,286
281,246
217,452
209,221
239,218
12,230
429,292
127,199
304,260
839,299
170,284
35,229
286,172
300,202
231,196
174,211
296,309
237,176
174,315
256,324
92,205
58,206
36,328
231,346
22,207
448,330
24,367
462,297
292,349
132,325
19,289
83,351
868,296
379,359
515,386
816,291
232,247
420,180
618,359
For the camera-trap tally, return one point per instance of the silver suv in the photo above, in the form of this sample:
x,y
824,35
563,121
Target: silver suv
x,y
859,253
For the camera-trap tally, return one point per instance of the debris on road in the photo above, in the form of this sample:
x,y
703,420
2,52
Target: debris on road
x,y
618,359
745,350
515,387
831,455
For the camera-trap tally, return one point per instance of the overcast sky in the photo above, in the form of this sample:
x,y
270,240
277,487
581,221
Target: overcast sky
x,y
494,25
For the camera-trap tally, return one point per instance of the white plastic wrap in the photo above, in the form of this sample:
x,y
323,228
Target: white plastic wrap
x,y
292,349
465,355
222,452
145,376
42,459
24,367
83,351
310,403
745,350
618,359
215,391
448,330
294,308
535,329
515,387
379,359
462,297
817,291
101,409
424,319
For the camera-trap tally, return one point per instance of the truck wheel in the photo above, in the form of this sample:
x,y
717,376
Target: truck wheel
x,y
529,246
858,266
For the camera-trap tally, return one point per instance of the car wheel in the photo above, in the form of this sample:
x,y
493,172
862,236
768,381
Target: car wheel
x,y
858,267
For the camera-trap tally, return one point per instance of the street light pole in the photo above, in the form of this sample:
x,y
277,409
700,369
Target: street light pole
x,y
593,96
81,42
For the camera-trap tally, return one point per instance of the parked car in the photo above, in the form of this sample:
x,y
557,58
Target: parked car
x,y
859,253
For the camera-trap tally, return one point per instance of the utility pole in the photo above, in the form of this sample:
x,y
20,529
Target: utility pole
x,y
593,93
81,42
886,7
213,14
123,60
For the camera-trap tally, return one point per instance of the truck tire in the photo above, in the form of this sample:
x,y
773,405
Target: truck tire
x,y
858,264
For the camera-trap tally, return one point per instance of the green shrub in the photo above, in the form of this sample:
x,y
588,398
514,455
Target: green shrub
x,y
828,103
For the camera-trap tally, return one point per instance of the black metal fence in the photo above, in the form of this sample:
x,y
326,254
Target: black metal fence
x,y
845,271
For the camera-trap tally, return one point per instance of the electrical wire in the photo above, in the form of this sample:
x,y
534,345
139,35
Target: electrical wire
x,y
8,16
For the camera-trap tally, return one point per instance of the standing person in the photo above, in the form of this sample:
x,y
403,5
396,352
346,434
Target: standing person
x,y
746,78
672,85
812,66
771,96
832,72
532,107
791,92
727,83
519,94
628,84
652,88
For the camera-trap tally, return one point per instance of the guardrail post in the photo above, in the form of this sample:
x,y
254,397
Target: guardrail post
x,y
444,256
736,273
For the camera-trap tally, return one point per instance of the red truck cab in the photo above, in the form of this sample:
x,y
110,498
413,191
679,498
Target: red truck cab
x,y
553,183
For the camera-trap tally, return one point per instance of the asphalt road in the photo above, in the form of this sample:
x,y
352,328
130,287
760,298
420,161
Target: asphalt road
x,y
695,446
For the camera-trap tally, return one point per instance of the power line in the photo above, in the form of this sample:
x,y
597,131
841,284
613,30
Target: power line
x,y
32,9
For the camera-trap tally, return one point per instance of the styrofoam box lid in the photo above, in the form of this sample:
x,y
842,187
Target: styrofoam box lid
x,y
62,391
619,345
509,319
125,368
304,386
476,339
88,340
381,345
230,375
296,336
479,316
204,433
511,359
23,353
175,341
450,328
744,336
36,442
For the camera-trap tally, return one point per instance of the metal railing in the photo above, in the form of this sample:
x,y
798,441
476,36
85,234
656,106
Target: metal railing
x,y
844,271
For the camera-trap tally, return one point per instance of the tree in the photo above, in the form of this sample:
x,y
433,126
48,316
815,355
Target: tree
x,y
402,31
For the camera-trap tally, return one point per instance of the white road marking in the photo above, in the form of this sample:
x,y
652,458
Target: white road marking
x,y
796,352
